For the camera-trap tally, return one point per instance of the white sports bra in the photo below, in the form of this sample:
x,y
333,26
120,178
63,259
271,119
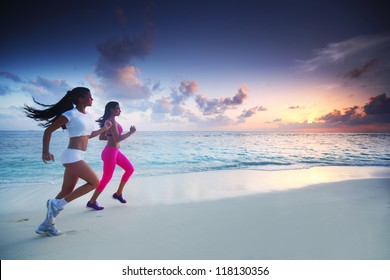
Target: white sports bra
x,y
78,124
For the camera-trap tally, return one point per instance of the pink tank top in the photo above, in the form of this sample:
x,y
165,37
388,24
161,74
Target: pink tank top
x,y
120,129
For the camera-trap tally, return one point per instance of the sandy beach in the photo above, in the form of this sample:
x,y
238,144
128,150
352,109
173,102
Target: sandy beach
x,y
324,213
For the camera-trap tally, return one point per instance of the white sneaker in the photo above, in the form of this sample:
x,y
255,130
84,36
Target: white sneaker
x,y
48,230
52,211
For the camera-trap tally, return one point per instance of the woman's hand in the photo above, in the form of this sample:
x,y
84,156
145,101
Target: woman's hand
x,y
46,156
107,124
132,129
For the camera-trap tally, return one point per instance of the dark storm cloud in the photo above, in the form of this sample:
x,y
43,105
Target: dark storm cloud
x,y
115,67
378,105
376,111
350,116
117,53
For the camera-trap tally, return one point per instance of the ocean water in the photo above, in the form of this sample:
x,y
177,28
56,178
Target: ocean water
x,y
160,153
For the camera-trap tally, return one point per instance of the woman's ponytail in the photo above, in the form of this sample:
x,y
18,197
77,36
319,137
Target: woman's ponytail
x,y
53,112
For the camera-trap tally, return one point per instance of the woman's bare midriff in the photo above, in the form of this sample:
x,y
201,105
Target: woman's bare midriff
x,y
78,143
112,143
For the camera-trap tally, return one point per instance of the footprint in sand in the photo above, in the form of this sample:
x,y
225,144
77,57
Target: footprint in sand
x,y
71,232
22,220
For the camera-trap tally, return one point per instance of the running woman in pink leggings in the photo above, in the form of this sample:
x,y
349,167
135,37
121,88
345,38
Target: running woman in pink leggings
x,y
112,156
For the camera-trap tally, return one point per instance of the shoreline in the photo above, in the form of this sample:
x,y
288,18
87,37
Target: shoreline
x,y
195,186
316,214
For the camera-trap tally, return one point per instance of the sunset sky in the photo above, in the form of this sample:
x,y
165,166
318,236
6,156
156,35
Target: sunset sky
x,y
202,65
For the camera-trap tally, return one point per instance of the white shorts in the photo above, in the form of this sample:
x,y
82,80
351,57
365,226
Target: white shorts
x,y
72,155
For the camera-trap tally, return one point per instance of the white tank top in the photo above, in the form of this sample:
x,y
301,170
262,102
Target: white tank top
x,y
78,124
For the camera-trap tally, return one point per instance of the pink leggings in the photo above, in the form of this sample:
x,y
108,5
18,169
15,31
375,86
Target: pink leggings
x,y
112,157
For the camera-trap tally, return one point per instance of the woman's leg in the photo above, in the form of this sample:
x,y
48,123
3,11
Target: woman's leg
x,y
68,184
124,163
79,169
94,197
109,162
82,170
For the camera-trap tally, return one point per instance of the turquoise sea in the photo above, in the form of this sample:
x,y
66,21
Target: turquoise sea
x,y
159,153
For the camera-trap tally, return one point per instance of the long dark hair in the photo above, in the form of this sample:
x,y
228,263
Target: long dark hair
x,y
53,112
107,112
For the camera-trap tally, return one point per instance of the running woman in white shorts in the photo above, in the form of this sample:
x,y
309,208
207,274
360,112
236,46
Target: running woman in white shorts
x,y
80,127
